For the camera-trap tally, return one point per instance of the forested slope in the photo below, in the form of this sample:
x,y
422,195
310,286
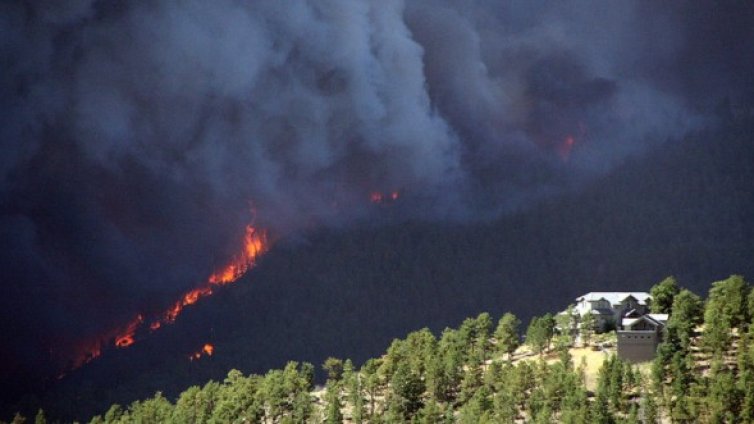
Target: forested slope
x,y
685,209
466,375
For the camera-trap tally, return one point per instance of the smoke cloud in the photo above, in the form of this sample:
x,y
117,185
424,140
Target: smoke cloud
x,y
139,138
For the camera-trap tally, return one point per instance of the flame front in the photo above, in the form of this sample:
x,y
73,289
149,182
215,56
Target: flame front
x,y
254,244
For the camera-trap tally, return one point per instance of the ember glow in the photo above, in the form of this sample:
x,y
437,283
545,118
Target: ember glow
x,y
379,197
126,338
565,147
255,243
206,350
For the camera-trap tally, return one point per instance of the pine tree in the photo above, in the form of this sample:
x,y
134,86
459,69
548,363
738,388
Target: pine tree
x,y
406,389
544,415
504,406
449,417
274,395
682,379
430,413
724,397
334,368
616,384
506,335
539,333
472,380
237,399
649,406
686,314
352,382
726,309
154,410
450,353
478,408
522,383
372,385
733,295
565,324
191,407
333,414
633,415
746,387
587,328
115,412
602,413
302,408
750,305
483,334
663,294
40,417
660,367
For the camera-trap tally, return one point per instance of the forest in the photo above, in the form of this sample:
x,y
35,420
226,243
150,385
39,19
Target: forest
x,y
500,372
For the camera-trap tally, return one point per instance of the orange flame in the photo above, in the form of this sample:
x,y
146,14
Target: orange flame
x,y
255,243
126,337
206,350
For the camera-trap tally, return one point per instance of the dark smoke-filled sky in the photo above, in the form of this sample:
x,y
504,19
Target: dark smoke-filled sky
x,y
139,138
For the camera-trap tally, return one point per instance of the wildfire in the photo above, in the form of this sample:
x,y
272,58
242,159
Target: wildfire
x,y
206,350
86,353
379,197
126,338
255,243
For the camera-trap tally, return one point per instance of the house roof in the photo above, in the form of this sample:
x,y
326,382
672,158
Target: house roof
x,y
661,318
615,297
654,319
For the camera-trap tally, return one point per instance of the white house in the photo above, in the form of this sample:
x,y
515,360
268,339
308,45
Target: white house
x,y
609,308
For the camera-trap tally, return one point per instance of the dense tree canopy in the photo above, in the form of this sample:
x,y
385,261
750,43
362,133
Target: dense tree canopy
x,y
466,376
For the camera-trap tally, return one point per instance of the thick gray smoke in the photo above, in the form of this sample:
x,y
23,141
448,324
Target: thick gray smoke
x,y
137,137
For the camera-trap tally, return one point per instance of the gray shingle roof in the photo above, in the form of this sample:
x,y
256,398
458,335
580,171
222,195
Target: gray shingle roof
x,y
615,297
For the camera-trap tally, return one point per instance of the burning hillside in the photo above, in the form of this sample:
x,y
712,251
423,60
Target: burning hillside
x,y
134,133
255,243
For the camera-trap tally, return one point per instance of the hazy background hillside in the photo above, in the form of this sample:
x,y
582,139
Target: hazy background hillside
x,y
686,209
